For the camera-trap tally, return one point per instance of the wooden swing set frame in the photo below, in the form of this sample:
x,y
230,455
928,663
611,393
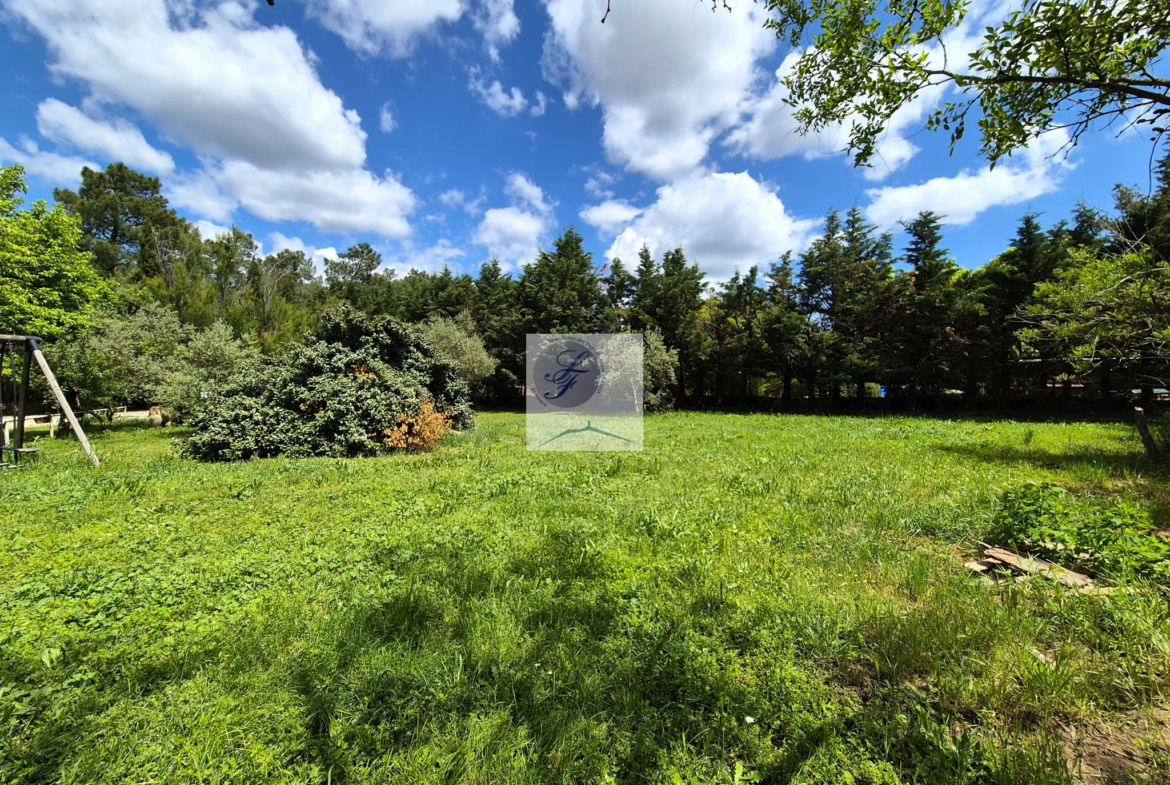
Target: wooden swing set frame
x,y
32,350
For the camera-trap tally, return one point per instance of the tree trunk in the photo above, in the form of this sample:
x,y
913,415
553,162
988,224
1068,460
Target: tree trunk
x,y
1148,442
786,394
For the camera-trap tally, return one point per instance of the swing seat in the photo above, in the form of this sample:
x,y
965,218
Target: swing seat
x,y
21,450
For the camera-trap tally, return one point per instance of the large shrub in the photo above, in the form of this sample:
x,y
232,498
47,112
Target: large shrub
x,y
336,395
143,354
457,340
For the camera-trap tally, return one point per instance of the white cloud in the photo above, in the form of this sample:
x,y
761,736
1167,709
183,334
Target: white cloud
x,y
769,129
246,99
497,21
520,187
961,198
723,221
118,140
598,184
222,86
495,97
452,198
201,194
280,243
511,234
209,230
332,200
610,216
538,109
432,259
386,121
376,26
669,76
50,167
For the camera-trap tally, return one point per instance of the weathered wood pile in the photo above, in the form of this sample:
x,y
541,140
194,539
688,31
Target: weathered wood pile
x,y
1002,563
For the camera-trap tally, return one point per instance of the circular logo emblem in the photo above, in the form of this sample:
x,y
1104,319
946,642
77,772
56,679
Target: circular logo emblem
x,y
566,373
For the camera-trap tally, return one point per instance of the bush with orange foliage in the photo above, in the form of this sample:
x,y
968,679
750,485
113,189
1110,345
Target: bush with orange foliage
x,y
418,431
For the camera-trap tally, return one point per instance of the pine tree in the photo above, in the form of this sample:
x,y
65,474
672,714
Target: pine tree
x,y
647,289
560,291
930,298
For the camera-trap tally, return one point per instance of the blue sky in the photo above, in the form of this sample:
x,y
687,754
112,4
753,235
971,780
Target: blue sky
x,y
448,131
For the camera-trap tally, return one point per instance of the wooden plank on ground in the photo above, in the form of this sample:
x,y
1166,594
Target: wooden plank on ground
x,y
1036,566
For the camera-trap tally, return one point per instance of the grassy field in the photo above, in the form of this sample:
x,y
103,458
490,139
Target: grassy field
x,y
751,599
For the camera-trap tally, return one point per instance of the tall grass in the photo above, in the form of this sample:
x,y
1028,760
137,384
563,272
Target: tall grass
x,y
750,599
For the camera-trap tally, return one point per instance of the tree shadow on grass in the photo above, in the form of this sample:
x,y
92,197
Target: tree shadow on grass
x,y
546,664
1076,459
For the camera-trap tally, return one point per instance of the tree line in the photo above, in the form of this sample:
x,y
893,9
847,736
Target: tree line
x,y
1075,310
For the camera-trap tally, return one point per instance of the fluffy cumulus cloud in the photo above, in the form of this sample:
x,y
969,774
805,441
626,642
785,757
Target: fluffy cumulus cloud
x,y
610,216
245,98
201,194
429,259
963,197
281,243
669,76
218,84
452,197
378,27
340,201
497,21
209,230
117,140
50,167
495,97
513,234
520,187
723,221
769,130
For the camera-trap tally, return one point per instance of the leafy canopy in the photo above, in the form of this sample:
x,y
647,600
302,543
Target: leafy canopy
x,y
47,285
1049,64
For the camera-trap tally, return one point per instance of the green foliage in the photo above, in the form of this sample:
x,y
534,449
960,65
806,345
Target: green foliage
x,y
121,357
210,357
659,373
559,292
47,285
459,343
1049,64
1118,542
122,214
333,396
1112,310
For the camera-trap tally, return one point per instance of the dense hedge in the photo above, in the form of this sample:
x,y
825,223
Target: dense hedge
x,y
349,382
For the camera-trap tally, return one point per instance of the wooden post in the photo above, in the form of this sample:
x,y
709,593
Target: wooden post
x,y
64,404
19,440
1147,438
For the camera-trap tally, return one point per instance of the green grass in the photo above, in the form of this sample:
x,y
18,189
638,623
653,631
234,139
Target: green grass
x,y
483,614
